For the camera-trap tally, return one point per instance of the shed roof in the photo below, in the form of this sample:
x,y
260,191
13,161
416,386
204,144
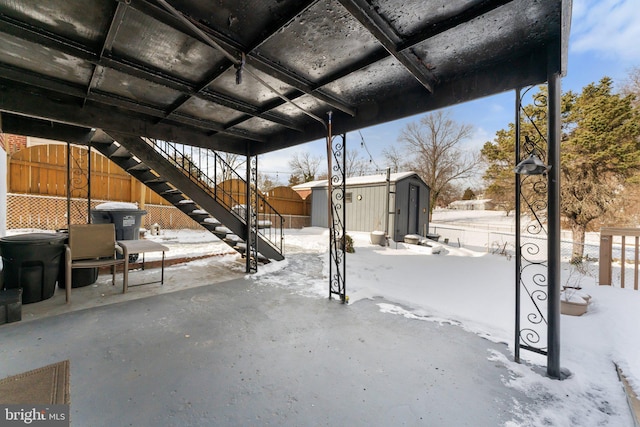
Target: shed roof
x,y
255,76
359,180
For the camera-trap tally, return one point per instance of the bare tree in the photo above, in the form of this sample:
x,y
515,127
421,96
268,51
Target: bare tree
x,y
305,165
265,183
631,85
355,165
224,169
432,147
396,160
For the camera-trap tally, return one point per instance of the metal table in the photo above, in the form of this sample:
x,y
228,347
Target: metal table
x,y
142,247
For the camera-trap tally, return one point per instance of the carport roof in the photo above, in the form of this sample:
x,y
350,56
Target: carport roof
x,y
255,76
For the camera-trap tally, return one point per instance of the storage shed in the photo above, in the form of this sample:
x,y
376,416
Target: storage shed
x,y
365,204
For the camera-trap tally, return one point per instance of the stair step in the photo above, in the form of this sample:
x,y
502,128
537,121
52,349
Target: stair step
x,y
220,235
157,180
121,152
211,223
196,212
171,191
139,167
242,247
231,242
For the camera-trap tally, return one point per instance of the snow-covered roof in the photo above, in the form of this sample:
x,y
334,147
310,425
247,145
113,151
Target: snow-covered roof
x,y
357,180
471,202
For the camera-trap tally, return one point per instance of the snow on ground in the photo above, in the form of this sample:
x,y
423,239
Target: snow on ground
x,y
476,291
473,289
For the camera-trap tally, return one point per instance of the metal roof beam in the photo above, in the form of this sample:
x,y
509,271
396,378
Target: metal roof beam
x,y
116,20
474,11
383,32
254,60
47,106
55,42
48,83
213,76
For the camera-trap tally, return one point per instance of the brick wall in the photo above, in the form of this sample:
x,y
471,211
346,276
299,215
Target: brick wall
x,y
14,143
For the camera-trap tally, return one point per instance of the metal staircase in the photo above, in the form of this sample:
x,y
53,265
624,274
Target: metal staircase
x,y
189,185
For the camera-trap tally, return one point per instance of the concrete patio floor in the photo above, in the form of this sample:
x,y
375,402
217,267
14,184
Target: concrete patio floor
x,y
240,353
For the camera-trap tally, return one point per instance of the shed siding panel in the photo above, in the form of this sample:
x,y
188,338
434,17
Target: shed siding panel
x,y
319,207
368,213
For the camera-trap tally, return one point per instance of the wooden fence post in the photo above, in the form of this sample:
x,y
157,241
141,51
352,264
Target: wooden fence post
x,y
606,247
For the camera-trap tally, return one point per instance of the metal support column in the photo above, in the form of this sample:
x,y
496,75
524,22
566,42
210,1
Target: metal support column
x,y
68,184
517,218
336,219
553,307
89,183
251,214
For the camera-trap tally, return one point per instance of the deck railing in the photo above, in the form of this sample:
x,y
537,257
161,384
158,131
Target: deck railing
x,y
626,243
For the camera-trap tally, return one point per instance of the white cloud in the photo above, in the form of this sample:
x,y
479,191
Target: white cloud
x,y
608,28
277,162
477,140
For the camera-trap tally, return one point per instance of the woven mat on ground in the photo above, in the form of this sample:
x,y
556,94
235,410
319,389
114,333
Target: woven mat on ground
x,y
47,385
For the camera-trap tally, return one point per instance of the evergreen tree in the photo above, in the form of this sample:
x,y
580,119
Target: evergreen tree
x,y
600,151
469,194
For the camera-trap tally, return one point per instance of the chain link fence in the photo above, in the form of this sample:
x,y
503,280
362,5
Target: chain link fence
x,y
28,211
501,240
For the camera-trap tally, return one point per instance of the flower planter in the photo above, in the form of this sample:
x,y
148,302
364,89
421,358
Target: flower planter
x,y
573,302
572,308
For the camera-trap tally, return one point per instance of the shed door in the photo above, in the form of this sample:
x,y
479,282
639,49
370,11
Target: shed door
x,y
413,211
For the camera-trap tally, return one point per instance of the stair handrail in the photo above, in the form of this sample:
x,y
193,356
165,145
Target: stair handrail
x,y
196,175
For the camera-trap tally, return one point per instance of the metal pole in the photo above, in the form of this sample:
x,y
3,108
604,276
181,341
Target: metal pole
x,y
329,198
247,215
89,183
553,307
68,184
517,230
386,208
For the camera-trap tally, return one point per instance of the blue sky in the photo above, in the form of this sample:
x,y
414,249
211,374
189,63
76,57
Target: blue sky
x,y
604,41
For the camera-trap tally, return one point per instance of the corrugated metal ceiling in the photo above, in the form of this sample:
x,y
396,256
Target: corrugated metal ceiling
x,y
168,69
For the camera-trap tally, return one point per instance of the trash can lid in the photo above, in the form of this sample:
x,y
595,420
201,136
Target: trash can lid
x,y
121,211
34,238
116,206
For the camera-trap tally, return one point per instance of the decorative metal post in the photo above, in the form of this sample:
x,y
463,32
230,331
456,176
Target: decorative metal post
x,y
251,215
531,232
78,180
537,272
336,219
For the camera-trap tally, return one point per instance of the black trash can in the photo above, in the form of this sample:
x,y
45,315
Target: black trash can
x,y
126,221
32,262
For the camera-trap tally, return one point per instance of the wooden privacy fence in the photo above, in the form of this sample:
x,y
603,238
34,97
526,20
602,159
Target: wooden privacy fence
x,y
624,242
41,172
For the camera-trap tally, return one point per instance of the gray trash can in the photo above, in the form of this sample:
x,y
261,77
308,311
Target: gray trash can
x,y
32,262
126,222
